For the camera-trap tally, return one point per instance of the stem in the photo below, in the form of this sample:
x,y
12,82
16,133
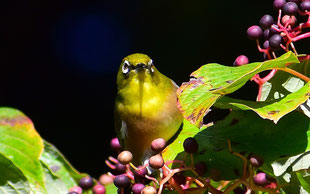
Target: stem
x,y
302,36
295,73
266,51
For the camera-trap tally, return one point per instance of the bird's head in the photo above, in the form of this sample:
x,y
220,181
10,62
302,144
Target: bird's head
x,y
136,68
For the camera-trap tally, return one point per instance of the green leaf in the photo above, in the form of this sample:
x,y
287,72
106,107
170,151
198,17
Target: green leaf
x,y
295,163
305,184
20,143
59,166
110,188
291,184
52,183
213,81
12,180
283,83
274,109
248,133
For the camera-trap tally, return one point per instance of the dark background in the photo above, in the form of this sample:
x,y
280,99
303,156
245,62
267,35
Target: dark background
x,y
59,59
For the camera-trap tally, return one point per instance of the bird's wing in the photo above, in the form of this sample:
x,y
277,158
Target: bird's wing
x,y
174,84
120,128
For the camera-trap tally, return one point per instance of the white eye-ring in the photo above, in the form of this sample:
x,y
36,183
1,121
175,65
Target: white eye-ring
x,y
150,64
125,67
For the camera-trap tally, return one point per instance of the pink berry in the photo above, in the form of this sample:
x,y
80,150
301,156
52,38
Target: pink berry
x,y
125,157
76,189
260,179
241,60
158,145
156,161
98,189
115,145
105,179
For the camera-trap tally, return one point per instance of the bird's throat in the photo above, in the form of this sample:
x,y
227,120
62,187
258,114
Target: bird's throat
x,y
141,78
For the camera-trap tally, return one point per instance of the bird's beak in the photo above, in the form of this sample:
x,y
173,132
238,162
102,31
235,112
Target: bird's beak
x,y
140,67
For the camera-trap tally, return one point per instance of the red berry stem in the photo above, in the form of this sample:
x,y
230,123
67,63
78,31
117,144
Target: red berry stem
x,y
302,36
266,51
110,165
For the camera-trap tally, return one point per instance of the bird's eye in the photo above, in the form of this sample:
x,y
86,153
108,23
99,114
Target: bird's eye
x,y
125,67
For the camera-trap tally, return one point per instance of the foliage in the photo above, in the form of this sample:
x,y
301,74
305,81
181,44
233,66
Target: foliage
x,y
28,164
31,165
261,145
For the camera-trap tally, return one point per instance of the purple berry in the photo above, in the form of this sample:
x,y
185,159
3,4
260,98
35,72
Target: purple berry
x,y
260,179
121,181
86,182
98,189
256,161
179,178
241,60
200,168
115,145
240,190
290,8
295,1
140,172
266,21
278,4
137,188
273,31
120,168
266,44
305,6
275,41
266,34
190,145
158,145
254,32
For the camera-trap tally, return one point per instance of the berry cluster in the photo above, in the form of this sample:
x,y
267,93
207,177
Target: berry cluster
x,y
283,32
273,36
156,175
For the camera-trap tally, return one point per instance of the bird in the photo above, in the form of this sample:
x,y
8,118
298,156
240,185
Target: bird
x,y
145,106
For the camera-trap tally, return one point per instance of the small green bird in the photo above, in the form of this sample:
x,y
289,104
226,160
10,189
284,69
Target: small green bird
x,y
145,107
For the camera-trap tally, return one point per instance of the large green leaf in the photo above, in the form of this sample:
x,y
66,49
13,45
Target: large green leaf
x,y
274,109
212,81
248,133
59,166
20,143
52,183
283,83
12,180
